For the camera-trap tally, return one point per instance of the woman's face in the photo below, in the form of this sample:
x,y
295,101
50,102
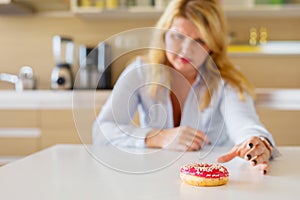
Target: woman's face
x,y
185,48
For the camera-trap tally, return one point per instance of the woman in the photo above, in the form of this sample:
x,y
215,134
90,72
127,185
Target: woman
x,y
188,93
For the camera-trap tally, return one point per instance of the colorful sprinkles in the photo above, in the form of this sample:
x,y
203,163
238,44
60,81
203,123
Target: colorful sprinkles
x,y
206,170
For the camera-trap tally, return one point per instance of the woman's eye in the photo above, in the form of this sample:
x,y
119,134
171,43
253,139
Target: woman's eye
x,y
178,36
200,41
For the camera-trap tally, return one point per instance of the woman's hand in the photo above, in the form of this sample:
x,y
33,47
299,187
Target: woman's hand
x,y
179,138
256,150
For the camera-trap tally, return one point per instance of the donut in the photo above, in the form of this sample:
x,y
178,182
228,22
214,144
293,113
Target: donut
x,y
204,174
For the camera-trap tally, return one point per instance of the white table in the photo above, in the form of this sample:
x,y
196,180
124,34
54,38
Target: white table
x,y
81,172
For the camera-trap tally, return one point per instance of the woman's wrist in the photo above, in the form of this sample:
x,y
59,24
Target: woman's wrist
x,y
151,139
268,144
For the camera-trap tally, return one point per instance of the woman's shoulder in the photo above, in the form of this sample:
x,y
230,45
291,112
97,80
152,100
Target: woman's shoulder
x,y
135,67
133,74
231,92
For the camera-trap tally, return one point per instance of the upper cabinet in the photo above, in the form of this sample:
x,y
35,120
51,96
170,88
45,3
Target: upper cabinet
x,y
141,9
47,5
33,6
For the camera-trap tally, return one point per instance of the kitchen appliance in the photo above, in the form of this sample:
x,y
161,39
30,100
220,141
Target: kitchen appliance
x,y
95,70
88,74
104,66
63,51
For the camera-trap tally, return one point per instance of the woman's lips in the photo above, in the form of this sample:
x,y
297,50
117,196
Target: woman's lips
x,y
184,60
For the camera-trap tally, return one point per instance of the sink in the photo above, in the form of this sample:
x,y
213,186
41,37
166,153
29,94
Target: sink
x,y
271,47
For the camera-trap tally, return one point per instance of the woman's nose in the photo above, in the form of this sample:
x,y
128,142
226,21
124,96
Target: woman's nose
x,y
187,46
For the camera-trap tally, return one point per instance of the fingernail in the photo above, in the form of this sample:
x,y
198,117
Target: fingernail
x,y
265,172
248,156
254,162
250,145
208,141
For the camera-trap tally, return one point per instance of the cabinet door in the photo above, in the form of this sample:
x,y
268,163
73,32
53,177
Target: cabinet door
x,y
270,71
283,124
19,132
58,126
18,118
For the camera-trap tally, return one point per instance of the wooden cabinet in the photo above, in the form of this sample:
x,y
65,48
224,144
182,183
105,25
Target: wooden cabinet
x,y
270,71
18,118
23,132
19,132
57,126
154,11
33,120
283,124
14,147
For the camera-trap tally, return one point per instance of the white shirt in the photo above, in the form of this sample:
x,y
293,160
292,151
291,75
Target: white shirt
x,y
227,121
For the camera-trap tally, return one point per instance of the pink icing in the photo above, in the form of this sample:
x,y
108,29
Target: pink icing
x,y
205,170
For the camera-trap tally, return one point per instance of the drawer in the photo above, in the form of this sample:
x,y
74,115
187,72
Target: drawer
x,y
62,136
19,141
18,146
274,71
283,124
56,119
18,118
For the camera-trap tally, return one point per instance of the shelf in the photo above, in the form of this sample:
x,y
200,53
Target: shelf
x,y
51,99
33,6
270,48
122,13
71,8
270,11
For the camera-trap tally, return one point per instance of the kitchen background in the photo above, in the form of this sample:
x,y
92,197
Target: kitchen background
x,y
26,39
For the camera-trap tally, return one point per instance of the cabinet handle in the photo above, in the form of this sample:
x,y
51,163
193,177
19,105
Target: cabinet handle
x,y
20,132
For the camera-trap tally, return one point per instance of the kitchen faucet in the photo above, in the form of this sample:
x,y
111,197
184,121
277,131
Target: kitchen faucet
x,y
24,81
11,78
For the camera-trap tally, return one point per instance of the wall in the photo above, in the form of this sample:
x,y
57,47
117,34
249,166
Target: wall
x,y
278,28
27,40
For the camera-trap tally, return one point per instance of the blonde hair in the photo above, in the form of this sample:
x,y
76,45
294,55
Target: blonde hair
x,y
208,17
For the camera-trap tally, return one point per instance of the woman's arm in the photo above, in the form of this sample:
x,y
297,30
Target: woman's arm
x,y
253,142
114,123
241,119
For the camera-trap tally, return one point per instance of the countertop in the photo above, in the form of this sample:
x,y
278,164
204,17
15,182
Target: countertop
x,y
52,99
270,48
285,99
83,172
